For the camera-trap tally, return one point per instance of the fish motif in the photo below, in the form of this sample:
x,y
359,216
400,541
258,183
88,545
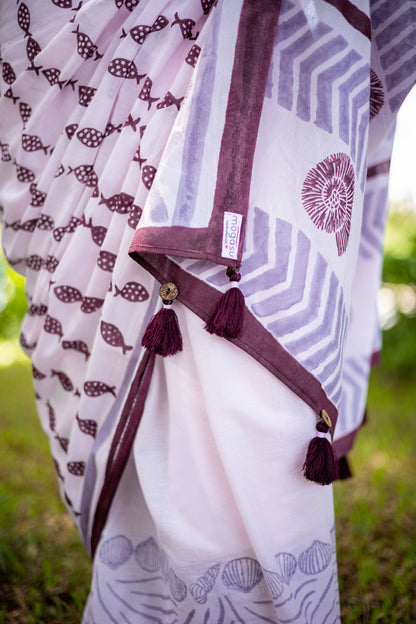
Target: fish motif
x,y
84,174
37,310
98,232
134,216
58,470
63,4
132,291
186,26
85,47
38,197
132,123
52,75
67,294
90,137
51,416
28,346
59,232
32,143
8,73
98,388
24,174
201,588
120,203
60,171
87,426
9,94
242,574
124,68
51,263
77,345
63,443
25,112
110,128
26,226
45,223
140,32
148,175
113,336
70,130
76,468
106,260
34,262
147,555
66,383
206,5
115,551
37,374
5,154
53,326
85,95
145,93
91,304
170,100
23,19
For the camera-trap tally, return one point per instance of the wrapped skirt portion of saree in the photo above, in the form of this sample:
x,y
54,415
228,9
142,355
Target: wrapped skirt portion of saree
x,y
150,142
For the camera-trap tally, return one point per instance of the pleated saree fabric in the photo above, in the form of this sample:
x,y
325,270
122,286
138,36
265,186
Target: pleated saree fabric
x,y
152,141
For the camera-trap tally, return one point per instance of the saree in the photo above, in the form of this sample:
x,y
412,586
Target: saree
x,y
150,142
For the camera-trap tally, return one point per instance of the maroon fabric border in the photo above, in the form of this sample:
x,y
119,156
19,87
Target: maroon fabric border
x,y
378,169
354,16
254,46
121,444
201,298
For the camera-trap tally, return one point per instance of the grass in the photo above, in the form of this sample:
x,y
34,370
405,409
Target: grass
x,y
44,572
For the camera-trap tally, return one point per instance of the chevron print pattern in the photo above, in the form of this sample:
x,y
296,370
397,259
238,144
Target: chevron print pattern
x,y
291,289
394,33
354,394
374,217
320,60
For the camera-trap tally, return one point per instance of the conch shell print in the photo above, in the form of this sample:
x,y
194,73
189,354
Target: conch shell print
x,y
327,196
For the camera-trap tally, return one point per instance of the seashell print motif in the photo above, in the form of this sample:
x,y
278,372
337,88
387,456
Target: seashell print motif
x,y
328,194
287,564
115,551
98,388
274,583
193,55
148,555
242,574
315,558
177,586
376,94
87,426
77,345
132,291
113,336
201,588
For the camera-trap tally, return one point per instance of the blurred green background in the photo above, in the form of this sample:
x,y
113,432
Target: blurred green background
x,y
44,572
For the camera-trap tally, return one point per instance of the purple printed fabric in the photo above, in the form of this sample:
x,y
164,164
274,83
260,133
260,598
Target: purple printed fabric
x,y
135,135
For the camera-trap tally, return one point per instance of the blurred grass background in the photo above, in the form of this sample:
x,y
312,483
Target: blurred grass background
x,y
44,571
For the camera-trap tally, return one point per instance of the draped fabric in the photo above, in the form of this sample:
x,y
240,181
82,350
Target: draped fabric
x,y
133,133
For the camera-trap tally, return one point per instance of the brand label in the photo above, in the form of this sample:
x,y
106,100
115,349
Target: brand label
x,y
231,234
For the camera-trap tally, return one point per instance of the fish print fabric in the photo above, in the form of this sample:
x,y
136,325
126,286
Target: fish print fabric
x,y
130,131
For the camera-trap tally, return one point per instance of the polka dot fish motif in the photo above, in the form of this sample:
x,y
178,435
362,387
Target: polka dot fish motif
x,y
327,196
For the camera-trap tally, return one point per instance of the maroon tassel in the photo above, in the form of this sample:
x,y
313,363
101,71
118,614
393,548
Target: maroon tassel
x,y
163,335
228,316
321,464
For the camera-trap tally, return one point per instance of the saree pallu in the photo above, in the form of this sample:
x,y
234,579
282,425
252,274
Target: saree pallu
x,y
132,134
